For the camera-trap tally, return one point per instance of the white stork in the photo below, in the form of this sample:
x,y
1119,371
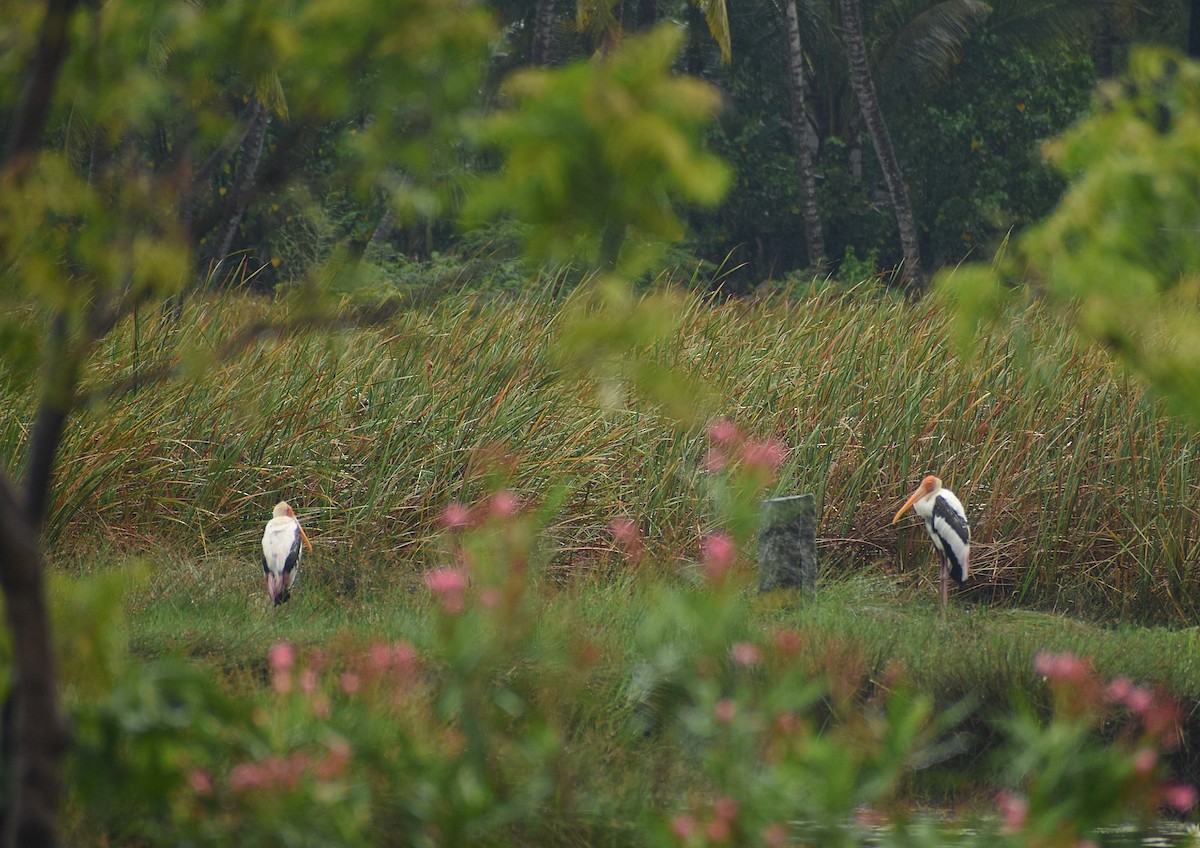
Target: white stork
x,y
946,523
281,551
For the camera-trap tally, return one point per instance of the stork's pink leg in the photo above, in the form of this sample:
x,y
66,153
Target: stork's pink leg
x,y
945,583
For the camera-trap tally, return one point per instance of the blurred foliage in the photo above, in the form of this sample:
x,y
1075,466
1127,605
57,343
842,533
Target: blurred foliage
x,y
1119,251
599,152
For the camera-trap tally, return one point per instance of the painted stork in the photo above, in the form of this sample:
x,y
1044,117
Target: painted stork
x,y
946,523
281,551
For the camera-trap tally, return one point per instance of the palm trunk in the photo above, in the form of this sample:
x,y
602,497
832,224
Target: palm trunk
x,y
543,32
243,188
1193,42
1102,42
868,103
814,235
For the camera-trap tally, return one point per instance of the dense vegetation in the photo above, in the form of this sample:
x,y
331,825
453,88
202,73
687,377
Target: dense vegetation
x,y
609,649
529,618
1078,488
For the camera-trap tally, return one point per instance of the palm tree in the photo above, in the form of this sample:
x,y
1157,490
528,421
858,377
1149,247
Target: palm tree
x,y
868,101
802,138
603,19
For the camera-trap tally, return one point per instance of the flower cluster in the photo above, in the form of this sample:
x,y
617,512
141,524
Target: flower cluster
x,y
286,773
393,665
1141,725
730,447
501,505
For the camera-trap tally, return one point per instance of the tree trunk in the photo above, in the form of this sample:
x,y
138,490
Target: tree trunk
x,y
1193,43
543,32
243,188
647,14
868,103
34,733
1102,42
814,236
39,736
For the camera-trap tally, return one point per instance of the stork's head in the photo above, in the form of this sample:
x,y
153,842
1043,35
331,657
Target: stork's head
x,y
283,508
928,486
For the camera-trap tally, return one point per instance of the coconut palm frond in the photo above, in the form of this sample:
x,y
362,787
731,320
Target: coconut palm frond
x,y
268,88
717,17
927,44
1041,23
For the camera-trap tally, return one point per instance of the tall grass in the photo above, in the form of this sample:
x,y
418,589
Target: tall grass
x,y
1077,487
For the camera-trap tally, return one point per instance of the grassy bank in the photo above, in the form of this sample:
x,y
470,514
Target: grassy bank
x,y
1080,494
608,663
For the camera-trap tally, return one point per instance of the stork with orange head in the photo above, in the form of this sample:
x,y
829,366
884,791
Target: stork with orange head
x,y
946,523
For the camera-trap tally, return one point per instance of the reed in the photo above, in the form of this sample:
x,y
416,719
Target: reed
x,y
1077,485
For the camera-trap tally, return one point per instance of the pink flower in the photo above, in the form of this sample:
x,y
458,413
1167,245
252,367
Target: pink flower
x,y
1180,797
505,503
725,710
765,456
335,762
717,830
788,641
725,808
683,827
1014,808
282,656
308,681
350,682
247,776
404,657
628,537
490,597
719,553
1119,689
200,781
1144,760
745,653
723,432
775,835
455,516
1139,700
379,657
1065,667
449,586
715,461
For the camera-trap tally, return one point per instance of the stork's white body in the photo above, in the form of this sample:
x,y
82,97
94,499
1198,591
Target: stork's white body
x,y
946,523
281,546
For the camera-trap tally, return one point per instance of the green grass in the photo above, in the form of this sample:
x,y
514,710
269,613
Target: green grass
x,y
1078,488
859,633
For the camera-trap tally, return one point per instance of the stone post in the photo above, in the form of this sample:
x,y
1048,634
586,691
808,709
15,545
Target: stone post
x,y
787,544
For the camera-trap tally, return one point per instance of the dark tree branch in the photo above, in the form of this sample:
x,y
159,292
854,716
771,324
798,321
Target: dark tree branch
x,y
41,77
40,736
35,747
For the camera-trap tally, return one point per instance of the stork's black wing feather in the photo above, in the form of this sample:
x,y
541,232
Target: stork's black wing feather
x,y
293,557
956,521
948,524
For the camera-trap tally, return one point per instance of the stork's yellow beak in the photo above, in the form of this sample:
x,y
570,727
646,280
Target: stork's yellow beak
x,y
920,492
